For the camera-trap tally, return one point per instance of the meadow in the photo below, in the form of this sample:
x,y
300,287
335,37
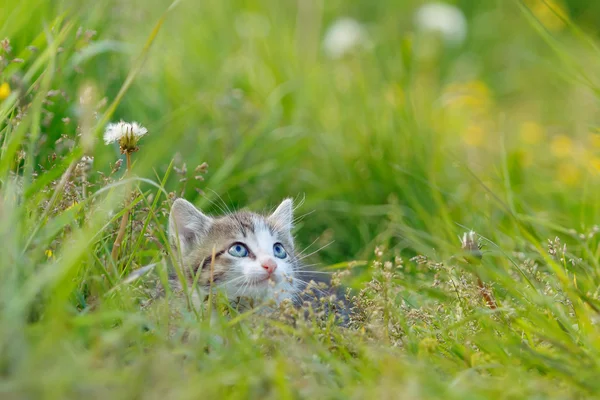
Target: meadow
x,y
445,172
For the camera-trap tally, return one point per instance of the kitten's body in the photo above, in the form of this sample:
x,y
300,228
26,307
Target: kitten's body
x,y
244,254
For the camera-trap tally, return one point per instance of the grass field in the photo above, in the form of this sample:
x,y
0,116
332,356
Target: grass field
x,y
394,141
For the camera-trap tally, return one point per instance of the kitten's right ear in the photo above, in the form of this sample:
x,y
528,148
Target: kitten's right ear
x,y
188,224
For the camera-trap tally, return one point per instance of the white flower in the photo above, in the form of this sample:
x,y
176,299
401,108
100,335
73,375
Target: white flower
x,y
126,134
343,36
115,132
445,19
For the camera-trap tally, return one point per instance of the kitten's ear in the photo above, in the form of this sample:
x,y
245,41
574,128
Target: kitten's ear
x,y
283,216
188,224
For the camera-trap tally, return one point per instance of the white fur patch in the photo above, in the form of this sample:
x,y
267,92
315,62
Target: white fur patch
x,y
250,281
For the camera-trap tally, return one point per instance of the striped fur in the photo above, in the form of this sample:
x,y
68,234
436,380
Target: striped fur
x,y
202,243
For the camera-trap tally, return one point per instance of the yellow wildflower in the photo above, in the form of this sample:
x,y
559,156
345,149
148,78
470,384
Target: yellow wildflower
x,y
594,140
473,96
49,254
550,13
531,132
474,135
561,146
4,90
568,174
594,165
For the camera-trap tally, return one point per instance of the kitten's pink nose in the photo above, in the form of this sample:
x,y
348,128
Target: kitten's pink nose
x,y
270,265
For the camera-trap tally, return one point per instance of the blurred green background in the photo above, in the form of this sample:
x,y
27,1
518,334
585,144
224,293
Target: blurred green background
x,y
395,140
398,124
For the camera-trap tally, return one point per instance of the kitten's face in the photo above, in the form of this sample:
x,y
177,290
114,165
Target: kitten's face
x,y
245,254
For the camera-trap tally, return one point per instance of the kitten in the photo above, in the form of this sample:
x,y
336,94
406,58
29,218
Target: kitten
x,y
253,254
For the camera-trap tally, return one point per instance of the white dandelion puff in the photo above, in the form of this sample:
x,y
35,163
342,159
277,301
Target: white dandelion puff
x,y
126,134
445,19
344,36
115,132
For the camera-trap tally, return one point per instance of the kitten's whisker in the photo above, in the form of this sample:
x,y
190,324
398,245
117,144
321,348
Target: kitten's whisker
x,y
301,217
292,290
313,286
296,297
246,287
237,291
222,201
234,280
299,203
214,203
242,287
231,202
314,272
304,266
316,251
308,247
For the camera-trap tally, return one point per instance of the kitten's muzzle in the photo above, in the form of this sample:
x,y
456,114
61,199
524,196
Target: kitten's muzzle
x,y
269,265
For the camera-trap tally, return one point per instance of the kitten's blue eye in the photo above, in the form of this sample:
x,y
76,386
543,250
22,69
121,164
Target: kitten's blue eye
x,y
279,251
238,250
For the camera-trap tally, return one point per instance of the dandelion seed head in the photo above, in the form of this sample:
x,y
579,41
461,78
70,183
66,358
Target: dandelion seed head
x,y
344,36
115,132
445,19
127,134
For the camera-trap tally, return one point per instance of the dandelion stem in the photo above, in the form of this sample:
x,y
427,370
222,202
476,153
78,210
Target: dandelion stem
x,y
124,219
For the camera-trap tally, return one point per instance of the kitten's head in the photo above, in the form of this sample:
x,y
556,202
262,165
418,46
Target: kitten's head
x,y
245,254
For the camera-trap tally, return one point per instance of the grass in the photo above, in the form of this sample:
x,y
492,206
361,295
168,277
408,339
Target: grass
x,y
392,153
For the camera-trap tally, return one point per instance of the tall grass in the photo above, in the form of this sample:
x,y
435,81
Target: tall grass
x,y
392,153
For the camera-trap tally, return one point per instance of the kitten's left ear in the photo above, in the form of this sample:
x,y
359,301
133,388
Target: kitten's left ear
x,y
283,216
